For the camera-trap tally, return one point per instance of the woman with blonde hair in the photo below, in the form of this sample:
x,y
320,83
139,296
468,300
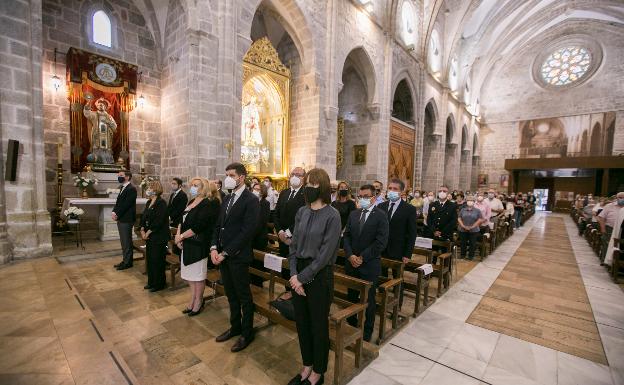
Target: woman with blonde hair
x,y
155,232
193,238
344,202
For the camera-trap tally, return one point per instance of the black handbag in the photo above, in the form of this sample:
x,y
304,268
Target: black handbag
x,y
194,250
284,306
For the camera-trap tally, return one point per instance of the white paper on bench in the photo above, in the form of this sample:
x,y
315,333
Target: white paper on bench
x,y
425,243
273,262
426,268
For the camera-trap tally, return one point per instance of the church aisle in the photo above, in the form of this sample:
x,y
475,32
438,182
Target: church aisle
x,y
441,347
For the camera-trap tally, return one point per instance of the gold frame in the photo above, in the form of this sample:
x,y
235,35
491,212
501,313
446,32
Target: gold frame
x,y
356,147
262,60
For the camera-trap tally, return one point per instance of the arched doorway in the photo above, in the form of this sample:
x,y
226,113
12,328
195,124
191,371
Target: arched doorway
x,y
596,141
450,154
353,112
430,146
401,146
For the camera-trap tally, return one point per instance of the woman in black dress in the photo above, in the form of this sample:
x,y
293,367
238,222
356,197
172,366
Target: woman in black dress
x,y
344,202
155,232
261,238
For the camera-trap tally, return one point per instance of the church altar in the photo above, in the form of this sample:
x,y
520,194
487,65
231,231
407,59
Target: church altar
x,y
107,226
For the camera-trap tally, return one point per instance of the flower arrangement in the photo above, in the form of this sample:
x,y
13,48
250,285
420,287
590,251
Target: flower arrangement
x,y
146,181
73,212
82,182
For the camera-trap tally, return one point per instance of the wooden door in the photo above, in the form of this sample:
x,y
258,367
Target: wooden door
x,y
401,152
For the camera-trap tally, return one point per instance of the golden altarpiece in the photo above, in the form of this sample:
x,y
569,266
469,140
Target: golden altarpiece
x,y
265,112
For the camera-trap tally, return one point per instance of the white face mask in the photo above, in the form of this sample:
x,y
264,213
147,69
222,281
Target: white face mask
x,y
295,181
470,203
430,198
229,183
256,193
267,183
416,195
442,195
479,199
491,195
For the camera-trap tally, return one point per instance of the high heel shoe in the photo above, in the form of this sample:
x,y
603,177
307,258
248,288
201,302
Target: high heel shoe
x,y
193,313
186,310
320,381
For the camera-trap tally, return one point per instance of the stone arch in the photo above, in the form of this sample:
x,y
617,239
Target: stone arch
x,y
363,64
584,143
474,172
431,157
450,152
475,145
596,140
464,139
403,102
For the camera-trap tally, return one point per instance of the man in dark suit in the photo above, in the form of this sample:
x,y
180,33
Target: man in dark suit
x,y
288,203
365,238
442,217
402,225
177,202
124,213
232,251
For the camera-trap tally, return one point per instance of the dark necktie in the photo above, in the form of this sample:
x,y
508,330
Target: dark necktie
x,y
390,211
292,194
230,203
363,219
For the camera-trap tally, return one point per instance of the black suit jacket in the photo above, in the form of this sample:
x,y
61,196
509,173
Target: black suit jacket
x,y
402,227
285,210
201,219
176,207
125,205
368,242
155,218
235,231
260,238
442,218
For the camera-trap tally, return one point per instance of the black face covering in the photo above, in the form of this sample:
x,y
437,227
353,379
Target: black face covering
x,y
343,193
311,193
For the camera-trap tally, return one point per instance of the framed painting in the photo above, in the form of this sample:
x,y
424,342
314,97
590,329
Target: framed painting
x,y
359,154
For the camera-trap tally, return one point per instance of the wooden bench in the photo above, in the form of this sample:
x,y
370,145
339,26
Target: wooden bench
x,y
442,269
387,296
421,287
342,335
618,261
172,260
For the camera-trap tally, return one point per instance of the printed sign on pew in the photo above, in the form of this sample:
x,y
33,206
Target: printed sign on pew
x,y
425,243
273,262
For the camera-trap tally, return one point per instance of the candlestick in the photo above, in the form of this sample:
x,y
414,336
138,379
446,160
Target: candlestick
x,y
142,157
59,151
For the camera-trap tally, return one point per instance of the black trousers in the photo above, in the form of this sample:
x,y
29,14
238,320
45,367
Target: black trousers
x,y
312,317
155,253
235,277
354,297
284,252
466,237
125,237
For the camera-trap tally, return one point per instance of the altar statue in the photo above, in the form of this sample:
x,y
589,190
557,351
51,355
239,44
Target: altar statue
x,y
101,128
251,124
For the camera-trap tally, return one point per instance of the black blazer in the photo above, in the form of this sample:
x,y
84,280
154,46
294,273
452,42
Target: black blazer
x,y
442,218
368,242
402,228
155,218
285,210
261,236
234,233
125,205
176,207
201,219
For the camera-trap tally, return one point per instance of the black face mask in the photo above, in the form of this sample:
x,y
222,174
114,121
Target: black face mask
x,y
121,179
343,193
311,193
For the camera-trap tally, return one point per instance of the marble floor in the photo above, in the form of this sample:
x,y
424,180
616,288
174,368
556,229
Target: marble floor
x,y
440,347
82,322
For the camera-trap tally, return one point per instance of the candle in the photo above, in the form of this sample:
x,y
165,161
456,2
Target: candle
x,y
59,150
143,157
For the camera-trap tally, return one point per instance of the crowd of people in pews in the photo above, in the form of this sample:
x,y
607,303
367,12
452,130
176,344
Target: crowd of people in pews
x,y
218,224
604,215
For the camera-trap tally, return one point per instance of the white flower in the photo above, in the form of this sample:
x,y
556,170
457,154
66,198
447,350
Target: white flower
x,y
85,184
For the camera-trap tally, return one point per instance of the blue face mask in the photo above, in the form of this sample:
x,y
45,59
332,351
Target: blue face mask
x,y
620,202
393,196
364,203
193,190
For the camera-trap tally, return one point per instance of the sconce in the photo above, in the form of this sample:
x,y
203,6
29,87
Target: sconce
x,y
56,81
140,101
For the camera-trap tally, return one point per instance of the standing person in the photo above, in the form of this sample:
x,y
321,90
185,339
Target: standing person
x,y
155,232
469,219
442,218
418,202
606,220
379,195
518,209
193,238
486,212
261,236
312,253
344,203
124,213
334,190
288,203
271,195
220,189
177,202
402,226
427,202
365,238
496,207
232,251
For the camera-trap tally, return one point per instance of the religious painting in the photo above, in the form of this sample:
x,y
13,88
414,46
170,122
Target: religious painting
x,y
482,180
265,108
101,93
579,135
504,180
359,154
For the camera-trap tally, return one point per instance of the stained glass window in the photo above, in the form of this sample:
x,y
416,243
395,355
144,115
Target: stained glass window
x,y
102,29
566,65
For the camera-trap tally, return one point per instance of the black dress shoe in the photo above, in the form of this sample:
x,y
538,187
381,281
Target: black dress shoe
x,y
186,310
226,336
155,289
297,380
320,381
124,267
147,287
118,264
241,344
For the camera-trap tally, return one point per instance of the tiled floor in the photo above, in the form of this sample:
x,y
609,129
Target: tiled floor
x,y
441,348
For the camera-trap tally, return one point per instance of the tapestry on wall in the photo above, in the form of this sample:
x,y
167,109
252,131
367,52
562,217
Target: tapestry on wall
x,y
101,93
579,135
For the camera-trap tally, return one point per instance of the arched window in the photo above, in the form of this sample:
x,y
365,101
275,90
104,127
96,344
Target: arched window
x,y
102,33
435,56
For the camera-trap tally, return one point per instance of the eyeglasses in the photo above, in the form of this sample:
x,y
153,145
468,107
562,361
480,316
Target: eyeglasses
x,y
364,197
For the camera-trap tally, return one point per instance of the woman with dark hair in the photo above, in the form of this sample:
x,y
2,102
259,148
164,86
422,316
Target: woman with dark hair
x,y
261,238
313,251
155,232
344,202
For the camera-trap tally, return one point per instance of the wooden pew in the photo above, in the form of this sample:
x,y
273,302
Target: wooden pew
x,y
442,269
172,260
342,335
618,262
421,287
